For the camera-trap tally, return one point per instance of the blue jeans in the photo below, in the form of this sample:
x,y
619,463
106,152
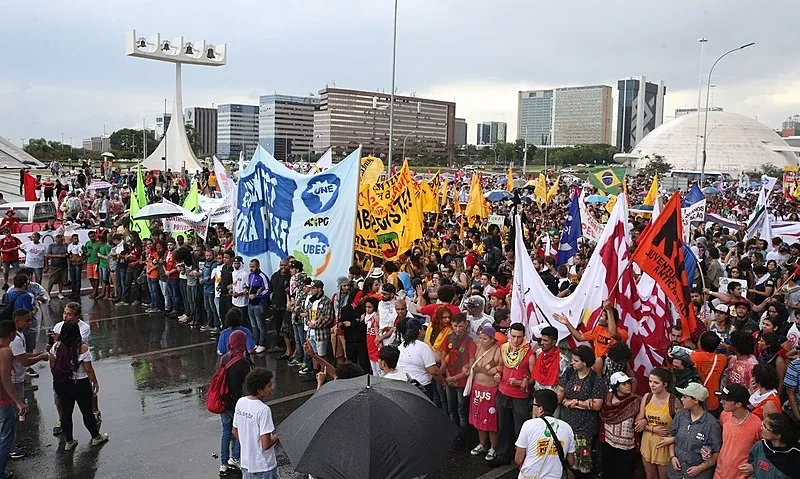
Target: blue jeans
x,y
174,287
227,436
122,285
8,422
211,310
458,405
155,299
256,314
273,474
299,339
75,278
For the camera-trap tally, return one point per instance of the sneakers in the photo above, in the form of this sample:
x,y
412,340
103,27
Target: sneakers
x,y
17,452
31,373
478,450
213,330
123,303
235,463
223,469
60,296
204,328
100,439
70,445
260,349
57,429
305,370
276,349
491,454
295,362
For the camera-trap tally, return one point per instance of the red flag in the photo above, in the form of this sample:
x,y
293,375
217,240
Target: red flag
x,y
29,185
660,255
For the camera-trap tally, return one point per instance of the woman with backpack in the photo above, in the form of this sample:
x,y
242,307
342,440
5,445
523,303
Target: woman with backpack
x,y
74,381
237,366
654,421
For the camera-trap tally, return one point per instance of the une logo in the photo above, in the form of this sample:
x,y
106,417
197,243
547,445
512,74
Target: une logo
x,y
321,193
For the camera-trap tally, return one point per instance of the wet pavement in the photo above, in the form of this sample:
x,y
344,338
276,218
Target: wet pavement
x,y
153,373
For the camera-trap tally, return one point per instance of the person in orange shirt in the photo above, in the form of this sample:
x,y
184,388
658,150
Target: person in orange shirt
x,y
603,335
710,366
741,429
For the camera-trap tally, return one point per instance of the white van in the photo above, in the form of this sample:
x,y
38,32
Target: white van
x,y
31,211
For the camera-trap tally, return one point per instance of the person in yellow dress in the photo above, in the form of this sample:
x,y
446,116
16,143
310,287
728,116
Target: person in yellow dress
x,y
654,420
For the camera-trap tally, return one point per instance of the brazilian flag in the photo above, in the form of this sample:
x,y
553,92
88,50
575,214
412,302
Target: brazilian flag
x,y
607,180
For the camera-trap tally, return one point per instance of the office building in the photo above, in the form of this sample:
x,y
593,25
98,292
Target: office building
x,y
97,143
237,130
162,123
461,132
685,111
204,122
491,132
640,109
582,115
349,118
286,126
535,116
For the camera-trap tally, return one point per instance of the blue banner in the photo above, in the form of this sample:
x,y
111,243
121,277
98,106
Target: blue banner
x,y
281,213
568,245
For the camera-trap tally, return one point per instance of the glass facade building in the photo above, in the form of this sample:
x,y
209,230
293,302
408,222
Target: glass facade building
x,y
237,130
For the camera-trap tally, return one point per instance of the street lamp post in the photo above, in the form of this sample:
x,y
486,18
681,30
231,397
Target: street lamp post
x,y
702,42
708,91
391,101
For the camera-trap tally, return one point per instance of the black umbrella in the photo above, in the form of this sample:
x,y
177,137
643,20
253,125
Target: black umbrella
x,y
367,427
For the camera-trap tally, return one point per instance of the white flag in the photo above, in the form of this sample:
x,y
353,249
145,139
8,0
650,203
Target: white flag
x,y
768,182
325,161
223,180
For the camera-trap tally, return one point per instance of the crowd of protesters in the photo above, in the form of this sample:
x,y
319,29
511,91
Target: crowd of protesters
x,y
724,404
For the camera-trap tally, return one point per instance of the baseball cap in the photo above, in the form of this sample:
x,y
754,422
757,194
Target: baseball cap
x,y
388,288
619,377
734,392
413,325
722,308
474,302
488,330
317,284
500,293
695,390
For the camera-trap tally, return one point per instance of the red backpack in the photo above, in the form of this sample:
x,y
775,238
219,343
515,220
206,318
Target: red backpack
x,y
218,394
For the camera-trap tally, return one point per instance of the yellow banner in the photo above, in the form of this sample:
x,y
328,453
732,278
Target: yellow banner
x,y
430,194
370,170
390,216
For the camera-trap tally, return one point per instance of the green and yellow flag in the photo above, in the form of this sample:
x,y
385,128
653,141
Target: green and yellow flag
x,y
139,201
650,199
607,180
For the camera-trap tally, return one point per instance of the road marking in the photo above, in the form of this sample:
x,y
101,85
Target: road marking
x,y
170,350
291,397
495,473
116,317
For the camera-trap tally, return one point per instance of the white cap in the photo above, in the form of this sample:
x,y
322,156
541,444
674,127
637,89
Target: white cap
x,y
619,377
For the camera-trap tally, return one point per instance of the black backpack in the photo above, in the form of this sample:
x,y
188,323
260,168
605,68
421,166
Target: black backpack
x,y
7,305
62,367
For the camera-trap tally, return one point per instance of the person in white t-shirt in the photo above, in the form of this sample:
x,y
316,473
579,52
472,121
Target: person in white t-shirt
x,y
537,454
416,358
254,429
387,360
34,252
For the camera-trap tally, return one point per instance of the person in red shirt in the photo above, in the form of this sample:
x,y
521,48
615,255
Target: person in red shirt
x,y
11,221
173,280
49,188
513,398
458,349
605,333
9,246
445,294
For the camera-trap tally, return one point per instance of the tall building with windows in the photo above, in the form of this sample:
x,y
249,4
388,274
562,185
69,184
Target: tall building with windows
x,y
237,130
582,115
640,109
535,116
204,123
286,125
461,132
349,118
97,143
491,132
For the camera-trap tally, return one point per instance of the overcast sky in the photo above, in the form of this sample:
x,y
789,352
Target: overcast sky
x,y
64,69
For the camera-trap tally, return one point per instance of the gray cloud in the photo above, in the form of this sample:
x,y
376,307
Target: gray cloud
x,y
482,48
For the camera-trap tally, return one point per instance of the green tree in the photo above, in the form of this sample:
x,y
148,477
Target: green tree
x,y
127,143
771,170
657,165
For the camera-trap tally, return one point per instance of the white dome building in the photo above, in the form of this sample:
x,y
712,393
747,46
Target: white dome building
x,y
736,143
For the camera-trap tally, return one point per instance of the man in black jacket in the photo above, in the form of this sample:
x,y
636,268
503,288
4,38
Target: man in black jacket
x,y
279,284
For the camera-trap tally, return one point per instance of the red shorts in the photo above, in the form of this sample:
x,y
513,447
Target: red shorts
x,y
483,407
92,271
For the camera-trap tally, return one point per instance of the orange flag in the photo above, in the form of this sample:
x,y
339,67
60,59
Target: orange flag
x,y
659,253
